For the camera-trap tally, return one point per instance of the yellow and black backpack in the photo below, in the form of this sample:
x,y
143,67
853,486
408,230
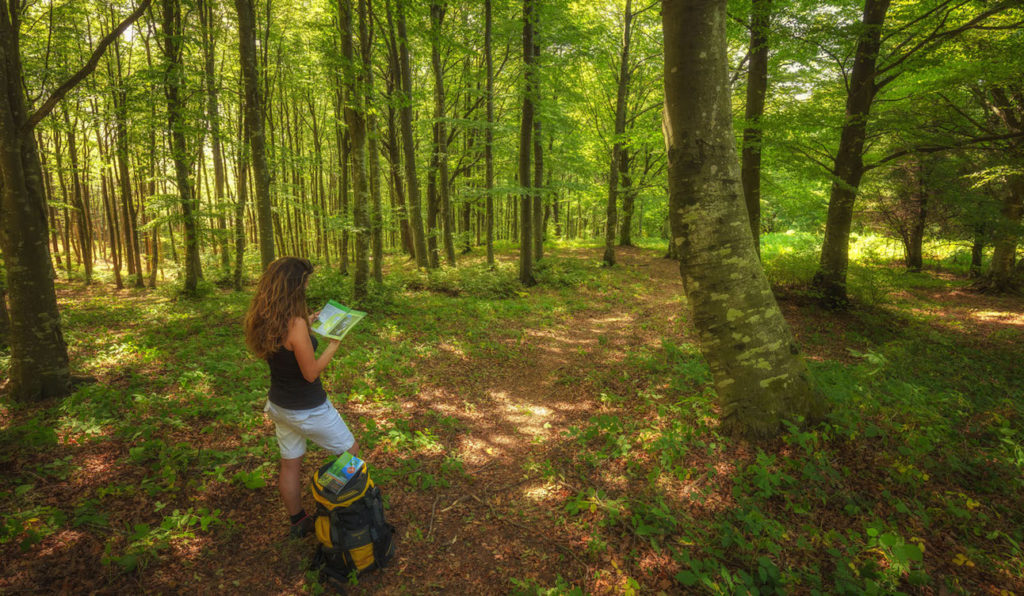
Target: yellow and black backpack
x,y
350,527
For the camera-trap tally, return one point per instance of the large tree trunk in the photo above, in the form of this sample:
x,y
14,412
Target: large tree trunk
x,y
758,373
408,146
849,163
611,220
254,129
525,131
39,357
757,88
179,150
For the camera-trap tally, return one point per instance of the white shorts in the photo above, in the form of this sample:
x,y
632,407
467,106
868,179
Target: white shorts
x,y
322,425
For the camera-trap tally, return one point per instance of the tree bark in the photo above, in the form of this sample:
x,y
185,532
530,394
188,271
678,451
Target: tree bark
x,y
254,127
1004,245
537,210
525,146
356,122
622,92
445,214
408,147
206,19
489,133
757,89
759,376
80,201
173,29
376,217
628,199
830,279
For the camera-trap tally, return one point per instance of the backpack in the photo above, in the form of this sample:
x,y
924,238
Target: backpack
x,y
350,527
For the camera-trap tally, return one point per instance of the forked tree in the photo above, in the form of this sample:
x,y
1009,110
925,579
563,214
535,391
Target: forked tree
x,y
758,373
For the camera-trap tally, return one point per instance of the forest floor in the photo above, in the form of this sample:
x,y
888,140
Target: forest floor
x,y
554,440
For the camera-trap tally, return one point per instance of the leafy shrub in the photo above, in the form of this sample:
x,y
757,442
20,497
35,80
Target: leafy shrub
x,y
563,272
790,259
477,281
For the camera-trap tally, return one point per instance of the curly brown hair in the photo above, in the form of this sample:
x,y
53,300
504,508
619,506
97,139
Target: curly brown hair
x,y
280,297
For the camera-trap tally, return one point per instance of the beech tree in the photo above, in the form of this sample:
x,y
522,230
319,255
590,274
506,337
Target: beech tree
x,y
758,373
39,357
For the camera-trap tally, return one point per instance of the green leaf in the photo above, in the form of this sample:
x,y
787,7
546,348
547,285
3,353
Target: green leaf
x,y
687,578
907,553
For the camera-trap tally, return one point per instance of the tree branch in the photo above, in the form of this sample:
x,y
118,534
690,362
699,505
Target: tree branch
x,y
85,71
934,37
937,148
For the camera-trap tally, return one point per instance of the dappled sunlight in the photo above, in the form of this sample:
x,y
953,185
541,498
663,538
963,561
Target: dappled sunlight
x,y
1003,317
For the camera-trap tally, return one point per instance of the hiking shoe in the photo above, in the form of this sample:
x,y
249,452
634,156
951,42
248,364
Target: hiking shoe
x,y
302,528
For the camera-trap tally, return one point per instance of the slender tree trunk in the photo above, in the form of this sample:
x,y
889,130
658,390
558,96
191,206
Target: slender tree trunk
x,y
628,199
437,11
173,29
113,230
977,252
80,203
537,210
394,86
915,231
254,129
376,217
66,235
849,163
408,147
242,192
128,212
621,95
758,373
398,185
489,133
206,19
355,119
757,88
525,131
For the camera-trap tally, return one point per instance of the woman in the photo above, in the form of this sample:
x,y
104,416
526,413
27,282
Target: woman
x,y
277,330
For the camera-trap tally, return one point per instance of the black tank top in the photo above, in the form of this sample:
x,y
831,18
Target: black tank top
x,y
288,388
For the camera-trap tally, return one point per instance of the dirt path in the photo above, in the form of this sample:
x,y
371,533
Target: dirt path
x,y
502,521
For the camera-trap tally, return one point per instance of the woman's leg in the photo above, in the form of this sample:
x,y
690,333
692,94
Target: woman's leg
x,y
289,485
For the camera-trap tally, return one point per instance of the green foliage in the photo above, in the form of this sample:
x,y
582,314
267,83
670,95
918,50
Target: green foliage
x,y
476,281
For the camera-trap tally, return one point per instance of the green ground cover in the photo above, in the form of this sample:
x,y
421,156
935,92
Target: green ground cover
x,y
911,485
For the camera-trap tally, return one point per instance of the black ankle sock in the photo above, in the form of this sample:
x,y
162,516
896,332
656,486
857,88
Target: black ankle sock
x,y
298,517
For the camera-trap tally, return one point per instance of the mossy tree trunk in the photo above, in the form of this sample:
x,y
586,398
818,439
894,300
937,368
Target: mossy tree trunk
x,y
759,376
39,356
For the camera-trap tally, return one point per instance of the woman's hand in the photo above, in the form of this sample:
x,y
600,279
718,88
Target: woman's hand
x,y
313,317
